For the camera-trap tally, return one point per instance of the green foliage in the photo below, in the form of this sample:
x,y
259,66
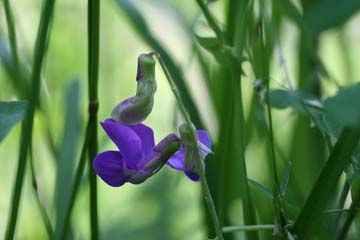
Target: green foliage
x,y
342,110
242,50
10,114
325,14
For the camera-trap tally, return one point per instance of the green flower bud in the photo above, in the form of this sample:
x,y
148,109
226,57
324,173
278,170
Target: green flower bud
x,y
136,109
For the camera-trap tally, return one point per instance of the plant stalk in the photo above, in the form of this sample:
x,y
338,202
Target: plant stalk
x,y
27,126
201,170
93,77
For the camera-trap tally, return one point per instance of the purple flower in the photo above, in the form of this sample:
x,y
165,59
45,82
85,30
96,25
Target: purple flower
x,y
138,157
178,160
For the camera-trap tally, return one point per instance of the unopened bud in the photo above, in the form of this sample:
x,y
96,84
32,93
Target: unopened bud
x,y
163,151
188,134
136,109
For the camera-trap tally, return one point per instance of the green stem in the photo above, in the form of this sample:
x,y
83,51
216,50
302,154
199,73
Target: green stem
x,y
63,226
201,170
342,200
328,178
280,210
27,126
350,217
245,228
93,73
243,8
210,19
13,45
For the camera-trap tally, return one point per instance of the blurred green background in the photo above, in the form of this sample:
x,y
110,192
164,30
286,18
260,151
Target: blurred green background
x,y
168,205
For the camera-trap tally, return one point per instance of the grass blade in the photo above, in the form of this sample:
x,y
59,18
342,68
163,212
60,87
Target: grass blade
x,y
328,178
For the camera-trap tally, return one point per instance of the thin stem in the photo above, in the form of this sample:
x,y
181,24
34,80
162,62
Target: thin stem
x,y
63,226
244,228
13,45
342,200
280,210
93,73
27,126
350,217
199,167
210,19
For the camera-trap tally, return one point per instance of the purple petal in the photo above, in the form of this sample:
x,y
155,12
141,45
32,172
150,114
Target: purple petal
x,y
177,161
204,138
126,139
147,137
109,166
193,176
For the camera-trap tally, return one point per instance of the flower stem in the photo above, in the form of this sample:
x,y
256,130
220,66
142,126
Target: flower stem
x,y
245,228
201,170
27,126
93,73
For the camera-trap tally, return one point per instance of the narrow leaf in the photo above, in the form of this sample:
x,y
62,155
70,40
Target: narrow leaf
x,y
10,114
328,178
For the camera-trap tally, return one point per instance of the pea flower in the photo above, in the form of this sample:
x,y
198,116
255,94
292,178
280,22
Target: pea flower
x,y
138,158
135,109
184,159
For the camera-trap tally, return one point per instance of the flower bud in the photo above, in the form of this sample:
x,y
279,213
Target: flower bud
x,y
188,134
163,151
136,109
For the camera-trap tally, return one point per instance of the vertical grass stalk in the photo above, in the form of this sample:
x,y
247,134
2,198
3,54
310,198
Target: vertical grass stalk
x,y
93,75
243,9
27,126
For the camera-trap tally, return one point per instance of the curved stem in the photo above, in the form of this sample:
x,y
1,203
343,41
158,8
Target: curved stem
x,y
199,167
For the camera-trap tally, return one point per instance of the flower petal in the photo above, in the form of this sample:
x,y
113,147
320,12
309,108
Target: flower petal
x,y
146,135
109,166
177,161
126,139
193,176
204,138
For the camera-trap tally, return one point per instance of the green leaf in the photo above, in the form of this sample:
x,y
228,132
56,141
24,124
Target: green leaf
x,y
299,100
223,54
10,114
328,178
67,151
325,14
261,188
286,178
355,188
342,110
